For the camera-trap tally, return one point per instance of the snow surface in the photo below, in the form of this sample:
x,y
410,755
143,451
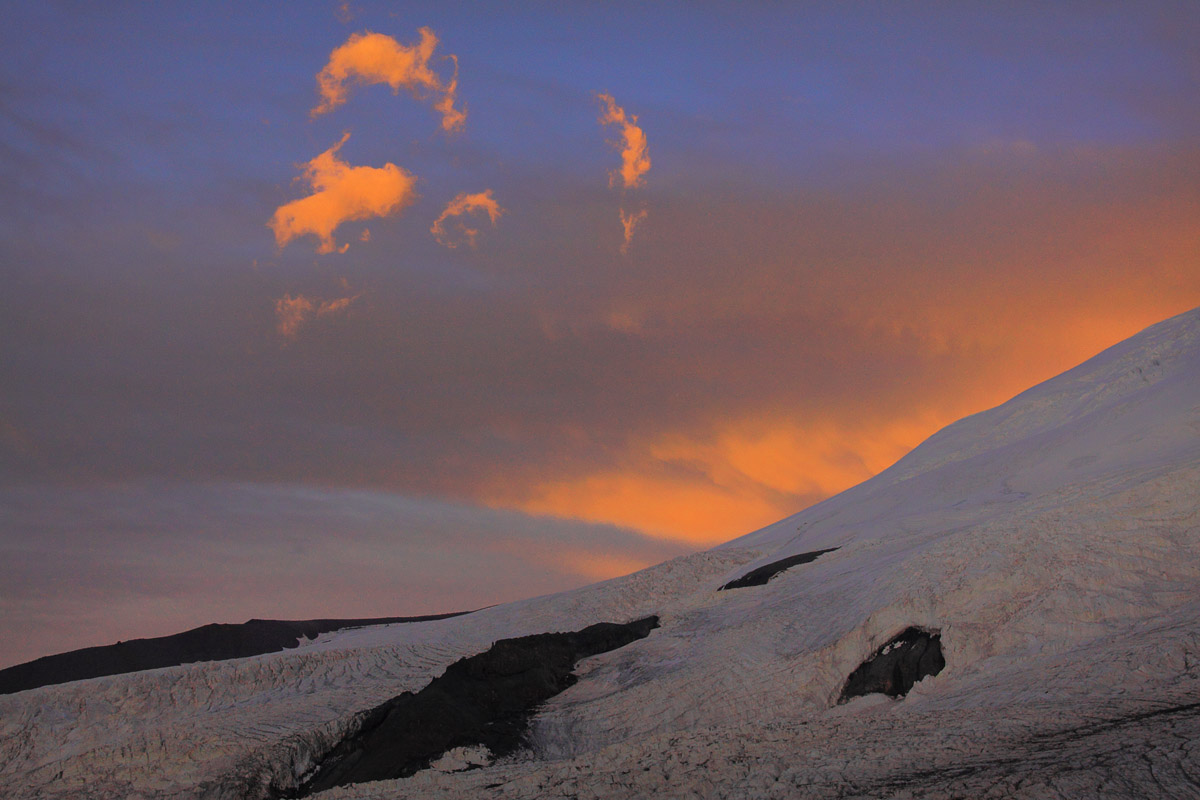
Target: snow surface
x,y
1054,542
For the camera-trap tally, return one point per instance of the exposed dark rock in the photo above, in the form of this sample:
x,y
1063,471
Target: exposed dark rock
x,y
760,575
895,667
485,699
216,642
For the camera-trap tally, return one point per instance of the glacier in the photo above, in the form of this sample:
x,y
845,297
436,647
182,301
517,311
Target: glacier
x,y
1052,543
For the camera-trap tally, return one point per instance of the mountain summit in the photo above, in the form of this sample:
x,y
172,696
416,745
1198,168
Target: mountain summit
x,y
1013,609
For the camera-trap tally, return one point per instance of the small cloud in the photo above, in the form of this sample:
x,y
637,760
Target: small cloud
x,y
365,236
635,161
370,58
629,222
465,204
333,306
341,193
293,313
452,118
344,12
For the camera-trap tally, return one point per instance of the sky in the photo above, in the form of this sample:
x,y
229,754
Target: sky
x,y
364,309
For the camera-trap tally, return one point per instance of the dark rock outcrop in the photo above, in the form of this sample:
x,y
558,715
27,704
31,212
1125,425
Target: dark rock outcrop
x,y
895,667
485,699
760,575
216,642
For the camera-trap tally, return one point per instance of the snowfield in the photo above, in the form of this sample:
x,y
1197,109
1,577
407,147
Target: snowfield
x,y
1054,542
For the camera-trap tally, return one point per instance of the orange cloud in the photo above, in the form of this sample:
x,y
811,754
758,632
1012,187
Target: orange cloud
x,y
341,193
293,313
777,385
660,506
635,161
465,204
707,478
629,222
706,490
369,58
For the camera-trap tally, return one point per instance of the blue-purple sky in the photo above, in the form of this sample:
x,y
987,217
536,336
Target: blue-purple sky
x,y
863,221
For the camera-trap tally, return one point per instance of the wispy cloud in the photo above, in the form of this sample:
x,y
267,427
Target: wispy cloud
x,y
465,204
635,161
369,58
293,313
452,118
629,222
341,193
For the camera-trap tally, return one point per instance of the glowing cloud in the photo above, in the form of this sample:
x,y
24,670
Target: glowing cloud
x,y
341,193
293,313
634,159
370,58
465,204
629,222
704,490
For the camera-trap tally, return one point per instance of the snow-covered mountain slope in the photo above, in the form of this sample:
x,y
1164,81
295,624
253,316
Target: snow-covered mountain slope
x,y
1054,542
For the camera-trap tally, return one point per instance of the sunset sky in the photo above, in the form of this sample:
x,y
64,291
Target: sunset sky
x,y
329,310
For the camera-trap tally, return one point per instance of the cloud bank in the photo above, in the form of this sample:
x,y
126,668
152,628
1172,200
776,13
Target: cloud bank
x,y
341,193
462,204
763,363
370,58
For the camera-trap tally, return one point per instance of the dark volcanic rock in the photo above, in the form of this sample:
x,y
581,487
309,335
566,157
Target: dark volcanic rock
x,y
484,699
215,642
896,666
759,576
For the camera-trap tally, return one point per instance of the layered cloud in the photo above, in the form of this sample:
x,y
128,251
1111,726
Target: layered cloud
x,y
762,364
464,204
293,313
635,161
370,58
341,193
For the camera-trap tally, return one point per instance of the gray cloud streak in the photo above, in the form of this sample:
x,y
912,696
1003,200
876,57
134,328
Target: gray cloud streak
x,y
154,558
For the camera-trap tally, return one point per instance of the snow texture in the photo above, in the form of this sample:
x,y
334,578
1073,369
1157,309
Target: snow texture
x,y
1054,542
